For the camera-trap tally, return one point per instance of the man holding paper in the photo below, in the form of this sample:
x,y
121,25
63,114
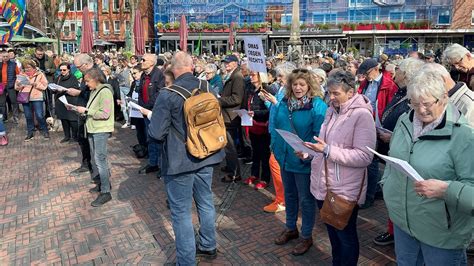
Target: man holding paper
x,y
437,142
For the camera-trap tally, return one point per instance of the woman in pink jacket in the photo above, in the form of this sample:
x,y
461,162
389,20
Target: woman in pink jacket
x,y
341,149
33,82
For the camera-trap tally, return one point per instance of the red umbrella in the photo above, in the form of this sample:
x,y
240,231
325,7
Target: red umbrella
x,y
139,36
86,38
231,36
183,34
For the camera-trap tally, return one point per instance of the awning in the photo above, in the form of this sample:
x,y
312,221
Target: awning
x,y
100,42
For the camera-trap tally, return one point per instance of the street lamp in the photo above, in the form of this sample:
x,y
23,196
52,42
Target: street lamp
x,y
58,25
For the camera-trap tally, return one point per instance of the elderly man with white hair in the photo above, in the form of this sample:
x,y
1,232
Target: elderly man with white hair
x,y
460,58
437,141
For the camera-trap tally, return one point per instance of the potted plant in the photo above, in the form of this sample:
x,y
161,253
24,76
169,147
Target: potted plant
x,y
276,26
396,25
159,26
353,26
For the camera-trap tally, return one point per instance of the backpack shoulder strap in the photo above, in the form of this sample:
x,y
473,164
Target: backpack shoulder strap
x,y
180,91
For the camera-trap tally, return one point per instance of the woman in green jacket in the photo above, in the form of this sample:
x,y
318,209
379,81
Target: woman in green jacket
x,y
99,114
436,140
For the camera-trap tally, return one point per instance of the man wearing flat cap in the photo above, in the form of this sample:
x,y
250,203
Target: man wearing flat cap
x,y
379,87
230,100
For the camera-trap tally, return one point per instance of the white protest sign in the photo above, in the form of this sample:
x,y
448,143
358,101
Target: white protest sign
x,y
254,52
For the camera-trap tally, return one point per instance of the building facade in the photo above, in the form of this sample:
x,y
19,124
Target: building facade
x,y
369,27
111,21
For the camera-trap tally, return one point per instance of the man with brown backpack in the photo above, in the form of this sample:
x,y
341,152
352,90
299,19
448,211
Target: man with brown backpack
x,y
177,121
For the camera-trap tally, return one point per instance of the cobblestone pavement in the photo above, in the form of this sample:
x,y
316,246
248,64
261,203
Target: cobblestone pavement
x,y
46,217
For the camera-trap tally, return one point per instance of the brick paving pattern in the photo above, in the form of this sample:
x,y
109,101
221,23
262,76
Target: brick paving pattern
x,y
46,217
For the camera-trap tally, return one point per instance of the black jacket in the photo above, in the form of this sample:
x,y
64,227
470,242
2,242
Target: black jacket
x,y
157,81
397,107
255,104
168,126
232,98
69,81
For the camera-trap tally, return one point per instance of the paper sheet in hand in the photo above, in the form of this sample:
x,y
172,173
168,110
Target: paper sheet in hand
x,y
295,142
245,117
56,87
23,80
400,165
134,112
63,99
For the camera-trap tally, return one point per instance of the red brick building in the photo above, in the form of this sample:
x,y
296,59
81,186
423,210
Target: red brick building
x,y
111,21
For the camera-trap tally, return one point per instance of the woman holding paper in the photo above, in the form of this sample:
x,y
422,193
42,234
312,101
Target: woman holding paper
x,y
99,113
438,143
341,159
68,118
32,84
301,111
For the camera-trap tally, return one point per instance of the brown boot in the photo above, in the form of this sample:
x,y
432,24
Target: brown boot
x,y
286,236
302,246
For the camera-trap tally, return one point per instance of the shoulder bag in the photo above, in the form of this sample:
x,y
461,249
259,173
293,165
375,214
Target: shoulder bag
x,y
24,97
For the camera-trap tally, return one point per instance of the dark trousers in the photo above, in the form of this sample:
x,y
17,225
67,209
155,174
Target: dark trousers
x,y
373,180
9,94
344,243
48,103
69,127
244,147
260,155
231,158
83,143
140,128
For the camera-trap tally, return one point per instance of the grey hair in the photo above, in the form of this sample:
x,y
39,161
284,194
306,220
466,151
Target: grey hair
x,y
436,69
320,73
285,69
181,60
84,59
211,67
426,84
390,67
410,67
342,78
153,57
454,53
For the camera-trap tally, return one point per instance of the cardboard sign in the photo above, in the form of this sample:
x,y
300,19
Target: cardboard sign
x,y
254,52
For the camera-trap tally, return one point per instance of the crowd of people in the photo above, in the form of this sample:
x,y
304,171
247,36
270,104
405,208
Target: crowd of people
x,y
418,108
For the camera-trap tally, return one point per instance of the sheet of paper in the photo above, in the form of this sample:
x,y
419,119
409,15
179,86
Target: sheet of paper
x,y
134,105
246,119
56,87
384,130
295,142
400,165
23,80
134,112
63,99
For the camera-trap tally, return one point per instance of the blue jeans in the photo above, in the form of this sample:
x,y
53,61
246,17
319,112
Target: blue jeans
x,y
39,113
344,243
2,126
373,180
409,251
98,144
154,147
297,193
181,189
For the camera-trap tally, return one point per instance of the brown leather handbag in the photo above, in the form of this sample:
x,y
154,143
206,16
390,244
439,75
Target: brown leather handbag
x,y
337,211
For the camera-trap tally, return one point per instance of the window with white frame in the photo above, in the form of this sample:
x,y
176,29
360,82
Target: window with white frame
x,y
105,5
472,18
106,27
116,5
117,26
444,17
62,6
127,25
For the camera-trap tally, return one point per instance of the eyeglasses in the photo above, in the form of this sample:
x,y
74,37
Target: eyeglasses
x,y
458,62
300,70
134,73
63,70
426,105
209,73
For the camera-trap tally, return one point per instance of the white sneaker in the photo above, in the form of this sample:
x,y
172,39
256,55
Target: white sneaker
x,y
133,127
125,125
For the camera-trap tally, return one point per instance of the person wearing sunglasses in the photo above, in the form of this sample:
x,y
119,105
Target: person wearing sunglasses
x,y
68,118
301,112
462,60
379,87
438,143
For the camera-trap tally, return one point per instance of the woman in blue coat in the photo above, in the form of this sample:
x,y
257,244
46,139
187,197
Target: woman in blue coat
x,y
302,112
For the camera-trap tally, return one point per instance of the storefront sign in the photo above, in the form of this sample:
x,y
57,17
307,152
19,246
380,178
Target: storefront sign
x,y
254,52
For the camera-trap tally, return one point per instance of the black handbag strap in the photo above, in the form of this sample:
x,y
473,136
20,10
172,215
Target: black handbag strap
x,y
95,96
